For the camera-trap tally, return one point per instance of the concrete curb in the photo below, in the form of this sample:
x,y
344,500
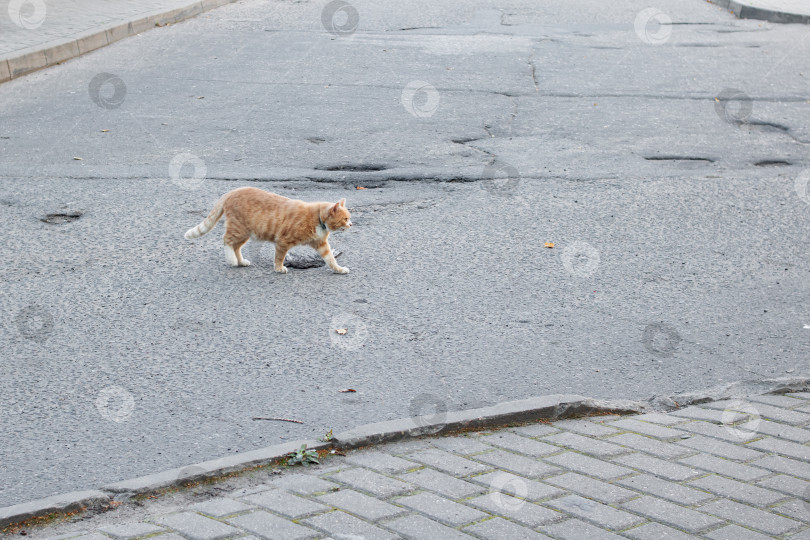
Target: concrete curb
x,y
744,10
551,407
57,51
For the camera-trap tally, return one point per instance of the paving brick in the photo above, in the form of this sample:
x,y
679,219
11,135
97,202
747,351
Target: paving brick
x,y
303,484
285,503
786,448
656,531
595,512
517,486
591,488
361,505
574,529
341,524
735,532
659,418
517,443
794,508
509,507
444,461
734,434
779,414
442,483
588,465
710,415
786,484
720,448
666,490
584,427
804,535
125,531
535,430
587,445
266,525
461,445
725,467
775,429
373,482
73,534
441,509
651,446
499,529
381,461
738,491
799,395
99,536
195,526
658,467
785,465
521,465
672,514
646,428
421,528
220,507
778,400
750,517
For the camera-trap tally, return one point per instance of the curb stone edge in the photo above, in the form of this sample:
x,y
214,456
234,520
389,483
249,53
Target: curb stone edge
x,y
744,10
551,407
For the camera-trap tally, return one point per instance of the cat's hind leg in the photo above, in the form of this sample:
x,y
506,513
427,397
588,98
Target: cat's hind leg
x,y
235,238
281,252
238,251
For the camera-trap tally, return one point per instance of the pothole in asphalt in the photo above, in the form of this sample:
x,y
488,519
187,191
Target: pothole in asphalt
x,y
59,219
352,167
772,163
303,261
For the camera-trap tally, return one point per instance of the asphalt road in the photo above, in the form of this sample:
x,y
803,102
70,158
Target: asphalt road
x,y
667,163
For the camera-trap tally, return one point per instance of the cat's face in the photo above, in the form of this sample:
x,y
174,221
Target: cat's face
x,y
339,218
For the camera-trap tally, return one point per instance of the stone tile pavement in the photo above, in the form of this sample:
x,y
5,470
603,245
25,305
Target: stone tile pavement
x,y
734,469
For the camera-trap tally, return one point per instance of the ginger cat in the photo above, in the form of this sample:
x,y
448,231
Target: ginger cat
x,y
255,213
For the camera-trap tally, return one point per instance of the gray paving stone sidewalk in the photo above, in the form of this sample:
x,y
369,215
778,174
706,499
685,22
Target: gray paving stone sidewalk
x,y
705,471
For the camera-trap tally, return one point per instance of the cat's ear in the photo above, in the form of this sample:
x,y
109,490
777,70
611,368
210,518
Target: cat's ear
x,y
334,208
342,203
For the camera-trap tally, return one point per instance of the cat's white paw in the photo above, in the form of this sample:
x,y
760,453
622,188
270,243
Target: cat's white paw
x,y
342,270
282,270
244,262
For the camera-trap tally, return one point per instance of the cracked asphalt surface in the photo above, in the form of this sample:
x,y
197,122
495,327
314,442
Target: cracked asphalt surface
x,y
667,164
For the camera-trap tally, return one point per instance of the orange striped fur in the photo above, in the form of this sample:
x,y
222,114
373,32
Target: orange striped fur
x,y
255,213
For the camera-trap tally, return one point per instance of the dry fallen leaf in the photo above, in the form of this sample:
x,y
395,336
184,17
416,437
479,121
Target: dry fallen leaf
x,y
549,244
341,331
105,130
347,390
77,158
200,97
360,187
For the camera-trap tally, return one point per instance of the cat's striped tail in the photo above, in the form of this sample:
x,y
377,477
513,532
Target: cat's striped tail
x,y
209,222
